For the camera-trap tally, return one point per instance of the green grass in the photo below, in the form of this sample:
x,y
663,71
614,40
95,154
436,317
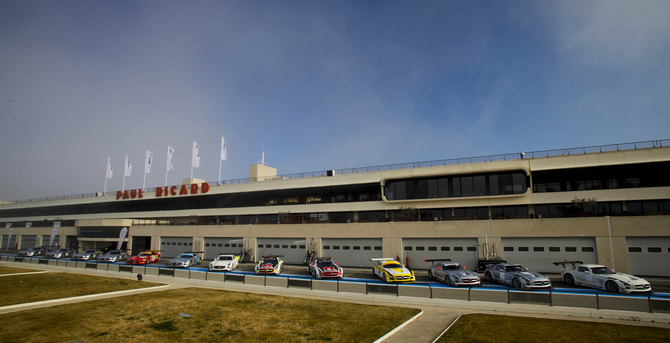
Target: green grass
x,y
14,270
215,316
21,289
497,328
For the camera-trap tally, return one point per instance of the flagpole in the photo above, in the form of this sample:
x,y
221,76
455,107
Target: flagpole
x,y
220,160
167,167
106,174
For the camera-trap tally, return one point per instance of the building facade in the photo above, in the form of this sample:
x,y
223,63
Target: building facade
x,y
606,205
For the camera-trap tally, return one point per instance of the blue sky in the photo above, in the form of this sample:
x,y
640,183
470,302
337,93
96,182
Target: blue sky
x,y
405,81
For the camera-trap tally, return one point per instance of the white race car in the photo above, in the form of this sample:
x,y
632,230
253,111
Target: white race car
x,y
390,270
270,265
601,277
224,262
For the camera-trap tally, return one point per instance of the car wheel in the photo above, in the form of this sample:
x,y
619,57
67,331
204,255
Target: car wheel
x,y
386,277
430,274
447,280
489,277
569,279
612,287
516,283
189,264
374,272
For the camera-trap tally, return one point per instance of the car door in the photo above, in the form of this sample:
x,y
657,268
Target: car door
x,y
583,276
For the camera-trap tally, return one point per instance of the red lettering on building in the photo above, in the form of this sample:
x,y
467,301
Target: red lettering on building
x,y
204,188
183,190
194,188
159,192
165,191
133,193
119,194
125,195
173,190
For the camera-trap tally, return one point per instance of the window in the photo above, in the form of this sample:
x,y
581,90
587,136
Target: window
x,y
587,249
326,247
634,249
336,247
259,246
220,245
367,247
408,248
378,247
538,248
554,249
523,249
206,244
432,248
276,246
357,247
420,248
162,243
284,246
294,247
653,249
508,248
458,248
234,245
178,243
445,248
472,249
570,249
228,245
346,247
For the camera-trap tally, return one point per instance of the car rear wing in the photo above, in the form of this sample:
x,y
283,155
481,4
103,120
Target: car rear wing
x,y
194,252
563,263
438,260
264,256
322,259
383,259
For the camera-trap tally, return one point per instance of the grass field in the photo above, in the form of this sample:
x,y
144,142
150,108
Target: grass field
x,y
13,270
496,328
19,289
215,316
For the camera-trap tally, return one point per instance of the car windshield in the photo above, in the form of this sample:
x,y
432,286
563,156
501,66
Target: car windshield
x,y
270,260
225,258
115,252
35,248
63,250
322,264
185,256
602,270
452,266
513,269
393,265
144,254
90,251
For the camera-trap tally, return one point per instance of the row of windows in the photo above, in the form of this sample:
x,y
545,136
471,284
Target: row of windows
x,y
609,177
649,249
551,249
355,247
177,243
221,245
457,186
409,248
278,246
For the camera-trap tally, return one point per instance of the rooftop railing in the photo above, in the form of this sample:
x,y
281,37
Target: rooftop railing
x,y
410,165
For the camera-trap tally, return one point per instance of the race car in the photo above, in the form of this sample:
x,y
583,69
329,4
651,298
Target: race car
x,y
601,277
516,276
224,262
61,253
185,260
145,257
87,255
452,273
324,267
270,265
113,256
390,270
34,251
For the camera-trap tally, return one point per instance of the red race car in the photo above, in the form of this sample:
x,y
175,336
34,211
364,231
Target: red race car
x,y
146,257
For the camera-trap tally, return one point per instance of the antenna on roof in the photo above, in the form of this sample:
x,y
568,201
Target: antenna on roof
x,y
263,155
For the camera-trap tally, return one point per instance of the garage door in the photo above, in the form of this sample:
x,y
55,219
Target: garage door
x,y
648,256
461,250
56,243
12,242
222,245
538,254
173,246
28,241
293,253
353,252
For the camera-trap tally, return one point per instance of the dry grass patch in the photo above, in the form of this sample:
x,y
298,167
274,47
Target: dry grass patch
x,y
22,289
14,270
215,316
495,329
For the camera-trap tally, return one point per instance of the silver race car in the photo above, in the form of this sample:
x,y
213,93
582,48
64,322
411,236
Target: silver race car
x,y
516,276
87,255
34,251
113,256
61,253
185,260
452,273
601,277
324,267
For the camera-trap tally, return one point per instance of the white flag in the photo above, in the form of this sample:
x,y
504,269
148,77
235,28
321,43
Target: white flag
x,y
147,162
196,155
110,171
129,166
224,151
169,162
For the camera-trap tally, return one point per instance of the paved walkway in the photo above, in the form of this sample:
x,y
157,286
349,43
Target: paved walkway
x,y
438,314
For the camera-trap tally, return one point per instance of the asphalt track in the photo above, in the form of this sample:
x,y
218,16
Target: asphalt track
x,y
437,314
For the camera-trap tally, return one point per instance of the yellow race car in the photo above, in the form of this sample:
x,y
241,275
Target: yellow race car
x,y
390,270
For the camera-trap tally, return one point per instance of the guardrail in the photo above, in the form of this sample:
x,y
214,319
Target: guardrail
x,y
488,158
591,299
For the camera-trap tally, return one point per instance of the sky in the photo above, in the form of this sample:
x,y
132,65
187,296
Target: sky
x,y
317,85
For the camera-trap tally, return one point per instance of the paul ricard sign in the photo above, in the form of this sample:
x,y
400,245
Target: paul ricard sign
x,y
165,191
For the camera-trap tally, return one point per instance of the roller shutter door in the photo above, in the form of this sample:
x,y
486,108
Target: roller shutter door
x,y
12,243
461,250
173,246
56,242
222,245
293,253
28,241
353,252
538,254
648,256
